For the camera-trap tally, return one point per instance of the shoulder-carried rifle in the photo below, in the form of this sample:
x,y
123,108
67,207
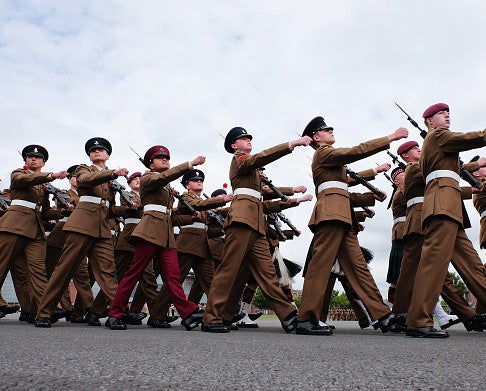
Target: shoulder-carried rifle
x,y
275,189
465,174
215,215
287,221
4,202
58,194
118,187
396,160
358,178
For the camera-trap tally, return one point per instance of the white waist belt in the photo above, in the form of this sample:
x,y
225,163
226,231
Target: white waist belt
x,y
26,204
400,219
442,174
332,185
414,200
94,200
132,220
483,213
195,225
246,191
63,220
155,207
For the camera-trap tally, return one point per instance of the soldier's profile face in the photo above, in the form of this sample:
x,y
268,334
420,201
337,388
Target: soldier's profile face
x,y
440,119
160,163
325,136
242,144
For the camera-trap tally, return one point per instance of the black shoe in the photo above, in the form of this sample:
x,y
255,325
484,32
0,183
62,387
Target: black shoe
x,y
193,320
363,323
238,317
425,332
42,322
59,313
171,318
115,324
24,317
9,309
92,319
255,316
384,323
77,319
134,318
477,323
232,326
68,312
289,323
397,322
32,317
157,324
309,328
2,315
215,328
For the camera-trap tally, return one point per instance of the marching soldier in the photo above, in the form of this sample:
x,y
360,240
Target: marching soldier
x,y
154,237
21,228
335,229
87,232
443,222
192,242
245,242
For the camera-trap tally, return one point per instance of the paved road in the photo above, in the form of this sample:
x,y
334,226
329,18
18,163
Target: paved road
x,y
81,357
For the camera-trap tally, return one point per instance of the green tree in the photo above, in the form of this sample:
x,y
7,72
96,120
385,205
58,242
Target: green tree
x,y
259,300
339,300
456,279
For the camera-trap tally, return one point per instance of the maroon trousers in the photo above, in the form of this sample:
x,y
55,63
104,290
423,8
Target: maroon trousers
x,y
169,267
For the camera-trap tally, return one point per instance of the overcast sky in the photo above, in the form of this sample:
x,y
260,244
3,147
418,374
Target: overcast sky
x,y
141,73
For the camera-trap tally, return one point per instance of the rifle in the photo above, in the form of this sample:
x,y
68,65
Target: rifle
x,y
126,195
273,219
4,202
181,199
275,189
465,174
61,197
287,221
365,183
215,215
396,160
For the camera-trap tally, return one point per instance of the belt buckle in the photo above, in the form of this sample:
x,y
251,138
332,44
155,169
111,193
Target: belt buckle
x,y
38,208
103,202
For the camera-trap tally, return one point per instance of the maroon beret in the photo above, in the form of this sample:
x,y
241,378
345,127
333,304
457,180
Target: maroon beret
x,y
434,109
396,171
405,147
136,174
155,151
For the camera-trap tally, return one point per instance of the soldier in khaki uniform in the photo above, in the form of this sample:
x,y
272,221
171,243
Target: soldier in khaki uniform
x,y
335,229
245,227
399,208
124,253
192,242
154,237
87,232
22,228
413,188
55,243
443,222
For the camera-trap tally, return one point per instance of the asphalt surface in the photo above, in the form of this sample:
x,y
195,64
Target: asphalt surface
x,y
80,357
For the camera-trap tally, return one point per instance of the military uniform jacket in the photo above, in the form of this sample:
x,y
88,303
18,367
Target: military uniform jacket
x,y
328,164
123,243
440,152
413,186
399,209
90,218
24,221
57,237
479,201
195,240
247,209
156,227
